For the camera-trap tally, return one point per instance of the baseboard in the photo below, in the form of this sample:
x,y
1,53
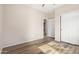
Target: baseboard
x,y
50,37
70,43
10,48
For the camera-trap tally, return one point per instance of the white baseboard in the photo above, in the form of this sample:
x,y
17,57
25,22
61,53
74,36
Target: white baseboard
x,y
51,36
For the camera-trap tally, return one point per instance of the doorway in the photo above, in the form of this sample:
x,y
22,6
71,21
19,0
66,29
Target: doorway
x,y
44,25
49,28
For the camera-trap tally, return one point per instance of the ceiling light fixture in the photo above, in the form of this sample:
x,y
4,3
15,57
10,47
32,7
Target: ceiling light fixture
x,y
43,5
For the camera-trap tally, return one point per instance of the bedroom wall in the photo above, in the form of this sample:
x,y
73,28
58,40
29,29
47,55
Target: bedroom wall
x,y
58,12
1,30
22,24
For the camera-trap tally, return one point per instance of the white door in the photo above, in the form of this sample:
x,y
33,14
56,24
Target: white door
x,y
50,28
70,27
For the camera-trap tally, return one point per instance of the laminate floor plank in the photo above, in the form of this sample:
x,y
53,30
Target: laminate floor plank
x,y
57,48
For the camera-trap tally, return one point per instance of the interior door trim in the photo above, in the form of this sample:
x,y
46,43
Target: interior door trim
x,y
60,28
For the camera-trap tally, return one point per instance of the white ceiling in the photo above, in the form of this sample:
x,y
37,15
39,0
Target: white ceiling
x,y
48,8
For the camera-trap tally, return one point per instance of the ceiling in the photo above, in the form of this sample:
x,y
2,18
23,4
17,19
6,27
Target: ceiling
x,y
48,8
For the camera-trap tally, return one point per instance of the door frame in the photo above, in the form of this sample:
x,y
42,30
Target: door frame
x,y
60,29
44,27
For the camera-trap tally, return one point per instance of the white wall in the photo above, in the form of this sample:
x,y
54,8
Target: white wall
x,y
1,15
22,24
0,50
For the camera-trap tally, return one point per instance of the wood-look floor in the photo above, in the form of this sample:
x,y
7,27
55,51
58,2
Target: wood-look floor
x,y
33,49
55,47
28,49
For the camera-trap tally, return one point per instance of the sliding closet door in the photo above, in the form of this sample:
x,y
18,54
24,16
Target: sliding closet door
x,y
70,27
